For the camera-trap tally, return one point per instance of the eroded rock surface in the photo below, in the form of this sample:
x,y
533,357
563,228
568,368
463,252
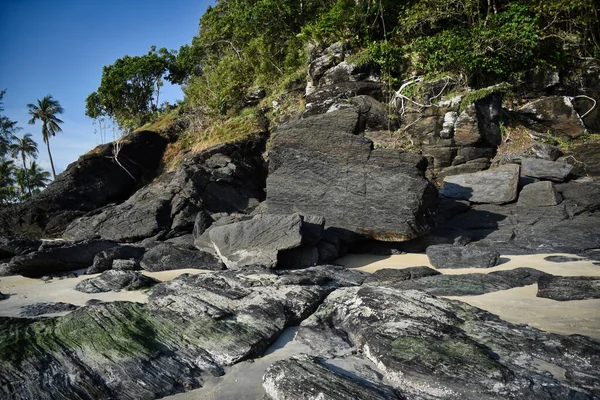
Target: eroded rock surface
x,y
430,348
563,288
495,186
34,310
319,168
450,256
190,329
114,280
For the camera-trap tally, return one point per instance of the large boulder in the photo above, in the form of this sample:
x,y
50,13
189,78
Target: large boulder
x,y
451,256
564,288
93,181
224,178
496,186
165,257
539,194
258,241
104,260
554,113
317,168
545,169
60,257
13,246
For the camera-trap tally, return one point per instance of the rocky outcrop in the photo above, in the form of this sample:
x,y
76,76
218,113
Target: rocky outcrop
x,y
191,328
564,288
225,178
104,260
539,194
93,181
451,256
390,276
431,348
496,186
12,246
165,257
257,242
554,113
544,169
473,284
317,168
56,257
114,280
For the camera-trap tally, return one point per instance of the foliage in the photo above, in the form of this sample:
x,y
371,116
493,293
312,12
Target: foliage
x,y
129,89
46,111
24,147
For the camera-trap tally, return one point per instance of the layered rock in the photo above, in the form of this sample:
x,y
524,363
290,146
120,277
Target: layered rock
x,y
93,181
430,348
165,257
57,257
564,288
496,186
115,280
317,166
554,113
451,256
191,328
225,178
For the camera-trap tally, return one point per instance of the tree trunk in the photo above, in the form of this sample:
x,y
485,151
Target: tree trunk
x,y
26,174
50,156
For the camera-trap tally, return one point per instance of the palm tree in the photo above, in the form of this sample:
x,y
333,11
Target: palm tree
x,y
38,178
46,111
25,147
6,180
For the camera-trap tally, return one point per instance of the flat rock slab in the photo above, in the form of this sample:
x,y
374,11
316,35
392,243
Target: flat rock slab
x,y
258,241
305,377
451,256
473,284
114,280
34,310
544,169
324,170
166,257
562,259
564,288
390,276
432,348
495,186
539,194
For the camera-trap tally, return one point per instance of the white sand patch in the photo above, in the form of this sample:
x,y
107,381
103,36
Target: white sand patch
x,y
25,291
517,305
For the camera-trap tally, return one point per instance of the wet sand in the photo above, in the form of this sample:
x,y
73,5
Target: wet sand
x,y
517,305
25,291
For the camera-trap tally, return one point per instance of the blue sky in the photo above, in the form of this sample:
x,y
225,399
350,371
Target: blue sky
x,y
59,47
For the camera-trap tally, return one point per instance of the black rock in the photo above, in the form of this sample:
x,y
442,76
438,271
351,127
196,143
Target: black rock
x,y
390,276
3,296
544,169
335,174
564,288
93,181
114,280
473,284
224,178
165,256
104,260
438,349
12,246
539,194
38,309
64,256
305,377
546,151
191,329
562,259
324,97
451,256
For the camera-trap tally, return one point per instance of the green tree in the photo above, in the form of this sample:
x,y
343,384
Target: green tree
x,y
129,89
24,147
37,178
7,170
8,128
46,111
